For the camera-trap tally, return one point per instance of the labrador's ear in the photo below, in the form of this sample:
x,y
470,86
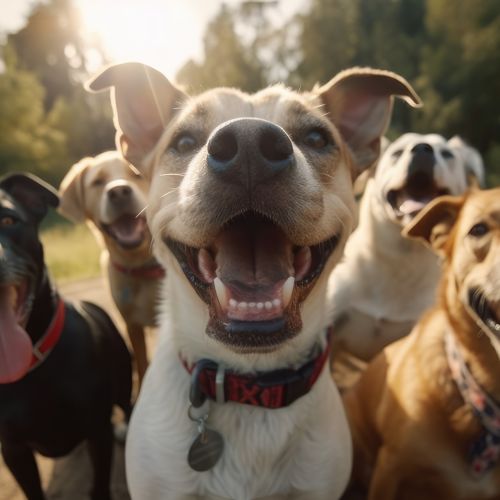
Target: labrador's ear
x,y
72,191
34,194
435,222
144,102
359,103
473,161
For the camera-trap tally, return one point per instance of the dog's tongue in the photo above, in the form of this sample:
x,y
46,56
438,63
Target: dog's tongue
x,y
128,229
411,206
15,347
255,254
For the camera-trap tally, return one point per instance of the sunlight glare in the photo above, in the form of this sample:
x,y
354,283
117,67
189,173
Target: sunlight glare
x,y
163,34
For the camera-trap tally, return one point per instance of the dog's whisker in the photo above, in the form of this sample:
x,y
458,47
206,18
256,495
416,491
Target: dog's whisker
x,y
169,192
172,175
141,212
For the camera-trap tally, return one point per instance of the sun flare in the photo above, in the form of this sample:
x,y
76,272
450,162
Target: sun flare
x,y
161,33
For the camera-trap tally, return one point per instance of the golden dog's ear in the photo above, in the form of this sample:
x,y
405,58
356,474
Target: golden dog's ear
x,y
72,192
143,101
359,103
435,222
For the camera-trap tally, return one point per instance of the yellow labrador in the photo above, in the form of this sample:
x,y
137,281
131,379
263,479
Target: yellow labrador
x,y
386,281
110,195
425,415
251,203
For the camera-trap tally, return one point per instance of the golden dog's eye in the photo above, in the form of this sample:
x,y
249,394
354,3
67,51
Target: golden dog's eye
x,y
446,153
316,139
6,221
97,182
185,143
479,229
396,154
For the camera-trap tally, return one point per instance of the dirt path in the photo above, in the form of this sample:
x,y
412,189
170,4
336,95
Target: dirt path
x,y
70,478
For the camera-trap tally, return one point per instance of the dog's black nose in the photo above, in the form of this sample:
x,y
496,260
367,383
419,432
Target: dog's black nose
x,y
119,192
249,150
422,147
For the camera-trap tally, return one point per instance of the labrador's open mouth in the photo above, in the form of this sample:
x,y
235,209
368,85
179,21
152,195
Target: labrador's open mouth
x,y
129,231
406,203
484,310
254,280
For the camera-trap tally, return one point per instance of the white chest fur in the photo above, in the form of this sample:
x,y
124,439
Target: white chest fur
x,y
301,451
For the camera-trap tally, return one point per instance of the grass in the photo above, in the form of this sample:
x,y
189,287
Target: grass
x,y
71,252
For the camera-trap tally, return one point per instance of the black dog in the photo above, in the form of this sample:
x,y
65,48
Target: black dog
x,y
62,366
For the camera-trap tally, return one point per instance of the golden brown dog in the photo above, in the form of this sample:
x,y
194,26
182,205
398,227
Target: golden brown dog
x,y
424,416
110,195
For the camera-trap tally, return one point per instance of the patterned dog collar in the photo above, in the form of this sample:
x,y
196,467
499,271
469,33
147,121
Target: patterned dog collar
x,y
484,452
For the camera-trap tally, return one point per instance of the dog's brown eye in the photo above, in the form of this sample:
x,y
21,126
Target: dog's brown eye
x,y
185,144
446,153
478,230
396,154
6,221
97,182
316,139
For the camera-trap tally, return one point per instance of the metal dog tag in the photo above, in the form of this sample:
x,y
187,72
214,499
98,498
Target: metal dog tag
x,y
206,450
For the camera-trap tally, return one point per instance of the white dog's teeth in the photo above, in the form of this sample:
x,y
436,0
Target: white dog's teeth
x,y
287,290
252,305
220,290
233,303
259,305
276,302
243,306
205,265
268,305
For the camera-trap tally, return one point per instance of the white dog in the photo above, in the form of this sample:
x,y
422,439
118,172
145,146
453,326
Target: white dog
x,y
250,206
386,281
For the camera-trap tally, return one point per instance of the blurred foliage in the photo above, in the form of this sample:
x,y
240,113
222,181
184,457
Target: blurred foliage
x,y
448,50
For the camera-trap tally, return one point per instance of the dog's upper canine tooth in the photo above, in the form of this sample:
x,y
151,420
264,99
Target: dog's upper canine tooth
x,y
206,265
287,290
220,290
302,262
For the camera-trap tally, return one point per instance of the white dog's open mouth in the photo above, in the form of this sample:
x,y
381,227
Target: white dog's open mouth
x,y
129,231
484,310
409,200
254,280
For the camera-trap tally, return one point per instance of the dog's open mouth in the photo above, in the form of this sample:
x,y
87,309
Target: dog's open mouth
x,y
484,310
15,343
129,231
406,203
254,279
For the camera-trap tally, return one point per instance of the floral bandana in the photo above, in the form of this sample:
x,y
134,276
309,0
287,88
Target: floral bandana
x,y
484,452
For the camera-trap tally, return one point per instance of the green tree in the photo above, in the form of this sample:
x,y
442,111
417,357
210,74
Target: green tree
x,y
27,141
227,61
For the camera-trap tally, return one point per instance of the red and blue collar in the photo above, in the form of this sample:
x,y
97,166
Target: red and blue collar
x,y
48,341
484,452
274,389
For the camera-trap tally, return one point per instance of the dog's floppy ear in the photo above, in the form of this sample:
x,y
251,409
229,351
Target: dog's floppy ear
x,y
474,166
143,101
34,194
72,192
359,103
434,223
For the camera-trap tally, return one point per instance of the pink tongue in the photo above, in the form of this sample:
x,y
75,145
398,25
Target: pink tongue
x,y
411,206
128,228
15,348
255,253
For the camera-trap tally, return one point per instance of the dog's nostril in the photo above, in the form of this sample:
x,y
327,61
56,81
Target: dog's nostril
x,y
223,146
275,146
422,147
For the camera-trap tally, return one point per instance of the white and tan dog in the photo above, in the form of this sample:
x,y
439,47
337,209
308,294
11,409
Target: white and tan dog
x,y
250,206
110,194
386,281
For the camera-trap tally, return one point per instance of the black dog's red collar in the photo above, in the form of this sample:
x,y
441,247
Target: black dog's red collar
x,y
149,271
275,389
50,338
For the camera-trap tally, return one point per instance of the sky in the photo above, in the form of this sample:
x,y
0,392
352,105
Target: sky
x,y
162,33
